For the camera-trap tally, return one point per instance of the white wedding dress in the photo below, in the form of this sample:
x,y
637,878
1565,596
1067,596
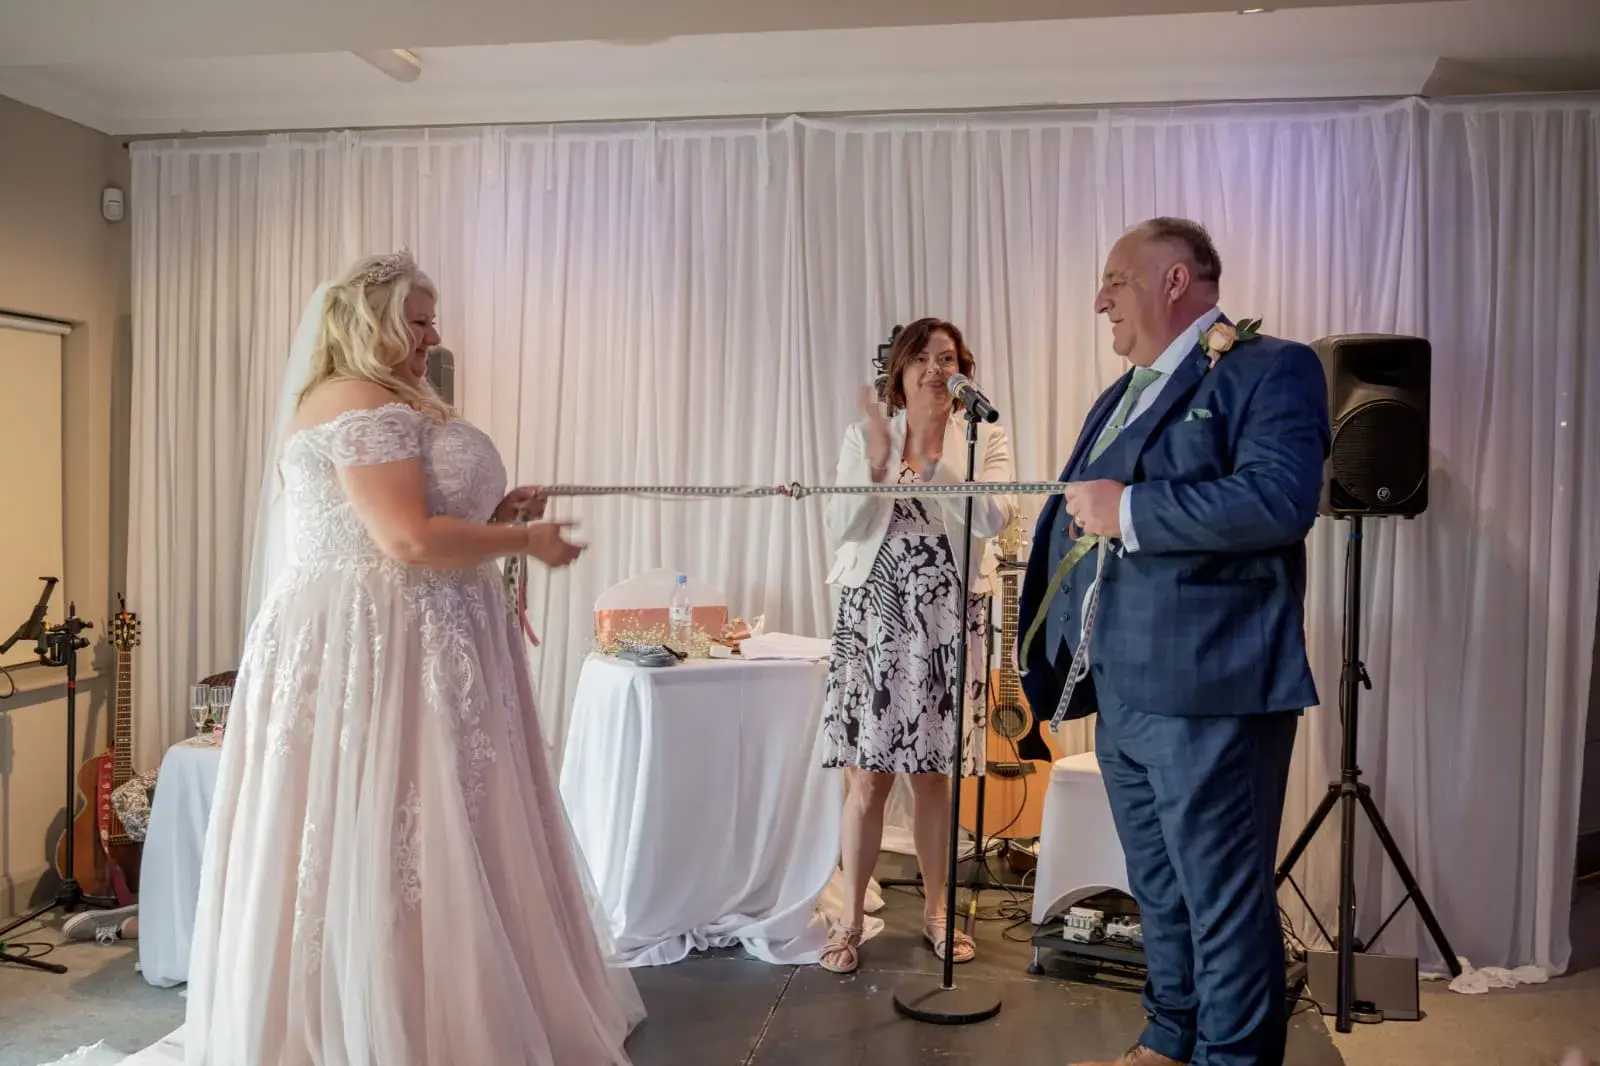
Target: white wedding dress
x,y
389,877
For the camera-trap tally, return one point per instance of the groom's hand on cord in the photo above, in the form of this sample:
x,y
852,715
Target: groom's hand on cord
x,y
546,544
1095,506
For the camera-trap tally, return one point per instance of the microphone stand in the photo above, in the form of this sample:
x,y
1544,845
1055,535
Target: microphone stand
x,y
924,999
59,646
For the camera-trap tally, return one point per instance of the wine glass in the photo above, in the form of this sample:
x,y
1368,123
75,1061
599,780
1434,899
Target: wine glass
x,y
199,706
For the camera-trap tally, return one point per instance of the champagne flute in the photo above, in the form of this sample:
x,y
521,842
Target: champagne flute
x,y
227,705
219,705
199,706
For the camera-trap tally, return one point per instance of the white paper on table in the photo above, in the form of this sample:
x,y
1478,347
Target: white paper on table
x,y
785,646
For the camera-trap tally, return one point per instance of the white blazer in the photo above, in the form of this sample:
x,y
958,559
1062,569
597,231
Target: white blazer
x,y
859,523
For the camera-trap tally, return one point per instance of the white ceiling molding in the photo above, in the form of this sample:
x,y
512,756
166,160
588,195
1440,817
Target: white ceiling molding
x,y
58,32
1445,46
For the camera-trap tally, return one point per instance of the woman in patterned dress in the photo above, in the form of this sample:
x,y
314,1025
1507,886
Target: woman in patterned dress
x,y
890,708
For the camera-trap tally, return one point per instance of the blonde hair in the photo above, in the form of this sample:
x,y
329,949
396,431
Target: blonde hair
x,y
364,334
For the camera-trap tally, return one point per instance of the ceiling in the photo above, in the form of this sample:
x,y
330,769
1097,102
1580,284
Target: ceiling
x,y
178,66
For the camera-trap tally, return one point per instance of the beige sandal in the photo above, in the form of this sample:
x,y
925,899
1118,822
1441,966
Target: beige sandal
x,y
933,930
843,953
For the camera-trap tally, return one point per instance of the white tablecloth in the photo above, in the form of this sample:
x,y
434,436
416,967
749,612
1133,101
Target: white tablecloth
x,y
1080,854
697,794
169,872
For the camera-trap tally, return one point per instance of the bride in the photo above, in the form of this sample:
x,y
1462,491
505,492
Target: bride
x,y
389,878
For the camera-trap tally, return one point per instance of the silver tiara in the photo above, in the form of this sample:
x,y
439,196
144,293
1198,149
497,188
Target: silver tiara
x,y
388,268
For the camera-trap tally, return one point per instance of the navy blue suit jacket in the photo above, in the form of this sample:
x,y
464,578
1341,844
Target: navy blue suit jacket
x,y
1208,616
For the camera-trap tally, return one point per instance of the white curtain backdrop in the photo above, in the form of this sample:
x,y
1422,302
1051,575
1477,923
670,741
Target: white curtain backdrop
x,y
699,302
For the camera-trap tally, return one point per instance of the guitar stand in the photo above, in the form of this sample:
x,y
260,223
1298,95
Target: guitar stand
x,y
982,877
59,646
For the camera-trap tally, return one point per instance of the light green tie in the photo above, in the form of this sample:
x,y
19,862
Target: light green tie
x,y
1143,378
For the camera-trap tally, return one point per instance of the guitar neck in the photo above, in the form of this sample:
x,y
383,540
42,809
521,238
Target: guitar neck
x,y
1008,685
122,721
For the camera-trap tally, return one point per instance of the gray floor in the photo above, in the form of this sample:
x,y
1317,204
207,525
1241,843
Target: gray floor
x,y
715,1009
725,1009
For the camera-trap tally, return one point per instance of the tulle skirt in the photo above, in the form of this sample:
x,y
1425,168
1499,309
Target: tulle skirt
x,y
389,876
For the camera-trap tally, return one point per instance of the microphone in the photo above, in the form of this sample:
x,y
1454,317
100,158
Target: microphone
x,y
34,627
978,405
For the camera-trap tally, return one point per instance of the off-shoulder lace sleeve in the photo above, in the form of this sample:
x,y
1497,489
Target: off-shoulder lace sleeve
x,y
368,437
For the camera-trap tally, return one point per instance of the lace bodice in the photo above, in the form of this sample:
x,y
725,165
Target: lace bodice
x,y
465,475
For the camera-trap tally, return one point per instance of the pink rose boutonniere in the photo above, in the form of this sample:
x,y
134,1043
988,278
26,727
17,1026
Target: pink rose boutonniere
x,y
1221,337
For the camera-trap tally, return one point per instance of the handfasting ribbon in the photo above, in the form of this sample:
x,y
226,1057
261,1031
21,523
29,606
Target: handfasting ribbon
x,y
516,574
1075,554
797,491
1080,657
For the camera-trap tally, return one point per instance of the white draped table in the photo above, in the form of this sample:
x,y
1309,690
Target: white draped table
x,y
697,795
169,871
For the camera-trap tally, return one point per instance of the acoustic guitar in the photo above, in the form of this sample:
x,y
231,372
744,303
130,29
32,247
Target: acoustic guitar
x,y
104,859
1013,794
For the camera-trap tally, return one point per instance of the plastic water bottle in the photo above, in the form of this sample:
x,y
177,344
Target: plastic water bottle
x,y
680,615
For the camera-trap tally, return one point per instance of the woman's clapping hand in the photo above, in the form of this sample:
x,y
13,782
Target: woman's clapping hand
x,y
877,430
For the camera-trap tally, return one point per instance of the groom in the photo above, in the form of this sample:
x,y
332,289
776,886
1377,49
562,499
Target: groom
x,y
1202,466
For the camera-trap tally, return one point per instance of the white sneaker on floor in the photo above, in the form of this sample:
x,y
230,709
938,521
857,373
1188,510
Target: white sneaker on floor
x,y
104,926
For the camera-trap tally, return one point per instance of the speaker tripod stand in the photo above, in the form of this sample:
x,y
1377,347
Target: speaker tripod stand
x,y
1349,792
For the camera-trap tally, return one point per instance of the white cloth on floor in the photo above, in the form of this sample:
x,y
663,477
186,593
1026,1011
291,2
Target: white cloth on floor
x,y
165,1052
91,1055
1473,982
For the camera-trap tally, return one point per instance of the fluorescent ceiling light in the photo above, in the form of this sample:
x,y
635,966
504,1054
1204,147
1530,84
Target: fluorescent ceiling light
x,y
401,64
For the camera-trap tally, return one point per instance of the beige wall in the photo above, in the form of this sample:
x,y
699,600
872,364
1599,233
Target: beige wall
x,y
60,259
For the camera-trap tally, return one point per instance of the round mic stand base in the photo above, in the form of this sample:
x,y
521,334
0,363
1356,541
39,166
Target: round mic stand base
x,y
926,999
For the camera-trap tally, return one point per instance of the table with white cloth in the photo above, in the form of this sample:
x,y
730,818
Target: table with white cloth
x,y
1080,854
697,795
174,844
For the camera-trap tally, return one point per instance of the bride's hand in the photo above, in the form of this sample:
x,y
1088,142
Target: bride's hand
x,y
546,544
525,504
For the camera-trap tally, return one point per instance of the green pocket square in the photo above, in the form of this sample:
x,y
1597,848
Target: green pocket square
x,y
1196,412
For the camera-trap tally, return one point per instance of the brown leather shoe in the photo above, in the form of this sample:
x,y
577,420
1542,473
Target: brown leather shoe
x,y
1138,1055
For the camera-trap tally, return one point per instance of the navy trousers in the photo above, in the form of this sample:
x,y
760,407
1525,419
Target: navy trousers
x,y
1198,803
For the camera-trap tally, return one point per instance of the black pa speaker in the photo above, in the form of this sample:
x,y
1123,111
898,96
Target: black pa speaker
x,y
1378,387
442,373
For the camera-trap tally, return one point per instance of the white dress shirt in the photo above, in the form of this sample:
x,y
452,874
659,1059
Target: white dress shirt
x,y
1168,362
